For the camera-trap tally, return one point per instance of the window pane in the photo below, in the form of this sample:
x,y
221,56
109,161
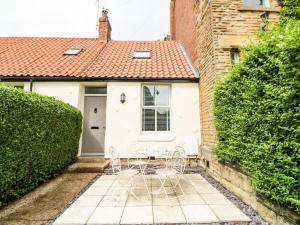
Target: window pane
x,y
148,120
163,119
95,90
19,86
162,95
142,55
235,56
148,96
256,3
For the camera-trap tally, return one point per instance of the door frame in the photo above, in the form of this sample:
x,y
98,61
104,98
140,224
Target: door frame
x,y
92,154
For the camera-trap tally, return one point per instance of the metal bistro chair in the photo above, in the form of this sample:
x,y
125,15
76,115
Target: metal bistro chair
x,y
174,169
178,163
141,162
117,170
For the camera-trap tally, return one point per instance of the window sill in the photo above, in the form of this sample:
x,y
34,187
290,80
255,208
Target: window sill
x,y
259,9
157,137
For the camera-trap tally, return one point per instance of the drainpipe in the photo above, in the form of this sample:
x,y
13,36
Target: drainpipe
x,y
31,84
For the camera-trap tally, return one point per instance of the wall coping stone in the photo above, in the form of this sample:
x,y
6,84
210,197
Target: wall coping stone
x,y
260,9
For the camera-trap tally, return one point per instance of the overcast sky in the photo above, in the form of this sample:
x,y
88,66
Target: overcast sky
x,y
130,19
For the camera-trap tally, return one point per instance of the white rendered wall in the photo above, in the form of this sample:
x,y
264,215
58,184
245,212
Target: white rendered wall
x,y
123,121
68,92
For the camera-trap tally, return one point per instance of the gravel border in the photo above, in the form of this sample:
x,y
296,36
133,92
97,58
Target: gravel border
x,y
246,209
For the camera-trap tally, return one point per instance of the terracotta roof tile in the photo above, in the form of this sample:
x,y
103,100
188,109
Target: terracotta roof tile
x,y
45,57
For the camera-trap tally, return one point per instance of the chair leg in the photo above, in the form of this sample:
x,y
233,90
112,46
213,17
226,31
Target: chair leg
x,y
162,182
145,182
132,187
178,178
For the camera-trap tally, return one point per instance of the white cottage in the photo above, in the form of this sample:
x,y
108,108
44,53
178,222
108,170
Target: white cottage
x,y
129,92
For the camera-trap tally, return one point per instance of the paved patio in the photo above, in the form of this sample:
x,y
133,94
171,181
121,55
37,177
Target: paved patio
x,y
100,204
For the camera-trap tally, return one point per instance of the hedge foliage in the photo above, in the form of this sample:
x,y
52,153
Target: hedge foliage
x,y
39,136
257,114
291,10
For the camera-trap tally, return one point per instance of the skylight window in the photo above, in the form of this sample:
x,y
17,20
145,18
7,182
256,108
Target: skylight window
x,y
73,51
142,55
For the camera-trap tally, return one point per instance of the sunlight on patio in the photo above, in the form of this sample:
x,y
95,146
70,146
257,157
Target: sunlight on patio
x,y
109,201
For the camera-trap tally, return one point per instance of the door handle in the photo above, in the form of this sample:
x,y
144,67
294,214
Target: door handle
x,y
94,128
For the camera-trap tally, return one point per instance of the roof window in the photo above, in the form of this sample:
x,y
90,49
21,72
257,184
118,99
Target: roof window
x,y
144,54
73,51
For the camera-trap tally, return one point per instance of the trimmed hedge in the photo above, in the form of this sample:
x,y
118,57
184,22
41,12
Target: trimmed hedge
x,y
39,136
291,10
257,114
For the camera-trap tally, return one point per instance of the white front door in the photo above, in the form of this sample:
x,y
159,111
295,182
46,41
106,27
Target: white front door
x,y
94,125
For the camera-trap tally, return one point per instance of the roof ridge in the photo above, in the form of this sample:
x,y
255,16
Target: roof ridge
x,y
141,41
52,38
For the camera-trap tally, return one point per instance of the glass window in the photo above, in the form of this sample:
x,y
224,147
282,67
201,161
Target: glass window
x,y
235,56
73,51
95,90
156,108
19,86
256,3
142,55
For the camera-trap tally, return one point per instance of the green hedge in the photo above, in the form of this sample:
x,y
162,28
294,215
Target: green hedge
x,y
257,114
39,136
291,10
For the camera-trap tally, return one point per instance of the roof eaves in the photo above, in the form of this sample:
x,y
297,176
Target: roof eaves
x,y
189,61
93,78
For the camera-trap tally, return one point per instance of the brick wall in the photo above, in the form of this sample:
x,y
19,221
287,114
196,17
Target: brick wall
x,y
182,24
219,26
205,64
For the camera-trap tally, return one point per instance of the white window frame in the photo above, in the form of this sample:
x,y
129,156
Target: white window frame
x,y
155,107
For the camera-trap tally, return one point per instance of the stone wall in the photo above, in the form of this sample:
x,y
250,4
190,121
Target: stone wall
x,y
233,179
220,26
232,26
209,29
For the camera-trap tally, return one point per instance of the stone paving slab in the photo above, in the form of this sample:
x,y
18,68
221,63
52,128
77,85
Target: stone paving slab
x,y
105,202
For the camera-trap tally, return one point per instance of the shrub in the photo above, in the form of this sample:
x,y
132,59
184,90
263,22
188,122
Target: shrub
x,y
39,136
291,10
257,114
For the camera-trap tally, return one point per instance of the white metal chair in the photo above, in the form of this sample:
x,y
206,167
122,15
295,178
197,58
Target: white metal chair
x,y
140,161
178,163
117,170
174,169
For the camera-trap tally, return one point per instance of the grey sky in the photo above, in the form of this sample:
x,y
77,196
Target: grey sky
x,y
130,19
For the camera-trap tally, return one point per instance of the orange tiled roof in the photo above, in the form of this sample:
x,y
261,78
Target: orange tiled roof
x,y
44,57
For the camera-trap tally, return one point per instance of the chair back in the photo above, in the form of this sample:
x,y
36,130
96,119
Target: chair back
x,y
139,152
177,159
115,160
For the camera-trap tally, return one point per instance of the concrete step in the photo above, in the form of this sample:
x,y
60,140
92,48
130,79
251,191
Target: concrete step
x,y
92,159
88,167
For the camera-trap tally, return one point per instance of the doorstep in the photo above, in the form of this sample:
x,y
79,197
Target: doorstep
x,y
89,165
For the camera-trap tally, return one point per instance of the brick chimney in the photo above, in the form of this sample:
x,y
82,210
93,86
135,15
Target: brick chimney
x,y
172,19
104,27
